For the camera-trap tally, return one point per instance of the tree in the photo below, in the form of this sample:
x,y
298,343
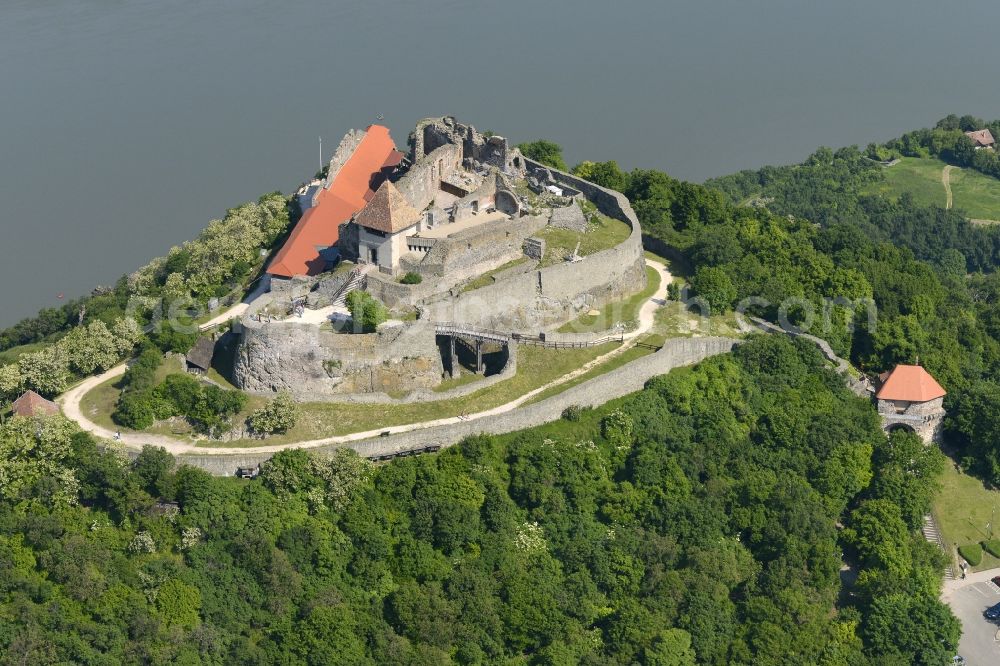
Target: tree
x,y
33,452
153,467
672,647
606,174
714,285
974,420
546,152
277,416
45,371
909,473
181,390
127,334
343,472
178,603
135,410
964,152
92,348
11,382
288,472
918,629
367,312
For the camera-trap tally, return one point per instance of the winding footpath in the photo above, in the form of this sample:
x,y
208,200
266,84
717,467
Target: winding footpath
x,y
946,181
70,401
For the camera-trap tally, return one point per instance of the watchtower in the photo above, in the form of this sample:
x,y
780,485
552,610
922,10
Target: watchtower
x,y
911,398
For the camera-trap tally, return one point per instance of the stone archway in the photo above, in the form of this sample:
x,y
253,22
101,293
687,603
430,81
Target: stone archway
x,y
507,203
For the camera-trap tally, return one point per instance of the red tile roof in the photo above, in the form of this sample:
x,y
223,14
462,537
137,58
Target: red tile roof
x,y
32,404
981,137
909,383
352,187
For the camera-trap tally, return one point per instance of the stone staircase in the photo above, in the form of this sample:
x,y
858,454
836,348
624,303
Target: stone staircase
x,y
932,535
356,281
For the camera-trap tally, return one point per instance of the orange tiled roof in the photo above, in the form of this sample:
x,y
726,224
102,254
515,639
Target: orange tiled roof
x,y
910,383
981,137
32,404
352,187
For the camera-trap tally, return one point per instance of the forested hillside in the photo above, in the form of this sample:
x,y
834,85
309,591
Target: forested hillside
x,y
709,519
809,235
695,522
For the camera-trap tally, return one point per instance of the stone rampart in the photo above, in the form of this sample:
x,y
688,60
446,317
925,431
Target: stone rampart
x,y
314,363
425,395
617,383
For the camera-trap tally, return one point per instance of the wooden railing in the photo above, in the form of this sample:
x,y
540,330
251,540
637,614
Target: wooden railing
x,y
540,340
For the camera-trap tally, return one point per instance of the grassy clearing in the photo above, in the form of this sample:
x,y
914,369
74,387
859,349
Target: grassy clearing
x,y
963,508
627,356
486,279
672,321
602,233
626,311
976,195
918,176
465,378
14,353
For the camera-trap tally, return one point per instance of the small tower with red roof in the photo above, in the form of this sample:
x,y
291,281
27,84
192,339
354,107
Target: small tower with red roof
x,y
911,398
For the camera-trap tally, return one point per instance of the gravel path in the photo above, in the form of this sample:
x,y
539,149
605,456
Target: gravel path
x,y
946,181
70,401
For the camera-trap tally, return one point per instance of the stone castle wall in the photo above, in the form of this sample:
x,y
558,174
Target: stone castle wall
x,y
617,383
316,364
558,293
456,259
420,183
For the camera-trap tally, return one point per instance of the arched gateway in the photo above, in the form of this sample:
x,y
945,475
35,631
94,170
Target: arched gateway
x,y
910,398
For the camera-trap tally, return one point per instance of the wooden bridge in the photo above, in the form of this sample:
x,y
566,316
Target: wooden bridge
x,y
473,332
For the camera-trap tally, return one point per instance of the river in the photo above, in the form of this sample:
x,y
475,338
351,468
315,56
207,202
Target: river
x,y
126,125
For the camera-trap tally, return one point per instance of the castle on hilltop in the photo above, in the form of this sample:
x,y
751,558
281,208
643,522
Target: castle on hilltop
x,y
469,245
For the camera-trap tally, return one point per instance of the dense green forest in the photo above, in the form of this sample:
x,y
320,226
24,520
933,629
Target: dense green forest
x,y
695,522
809,233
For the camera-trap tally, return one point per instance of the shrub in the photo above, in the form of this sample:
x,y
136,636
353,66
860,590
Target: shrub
x,y
992,547
971,553
134,410
412,278
366,311
182,391
546,152
572,413
141,375
279,415
169,339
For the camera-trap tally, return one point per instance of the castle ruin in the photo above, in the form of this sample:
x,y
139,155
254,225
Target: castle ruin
x,y
451,238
